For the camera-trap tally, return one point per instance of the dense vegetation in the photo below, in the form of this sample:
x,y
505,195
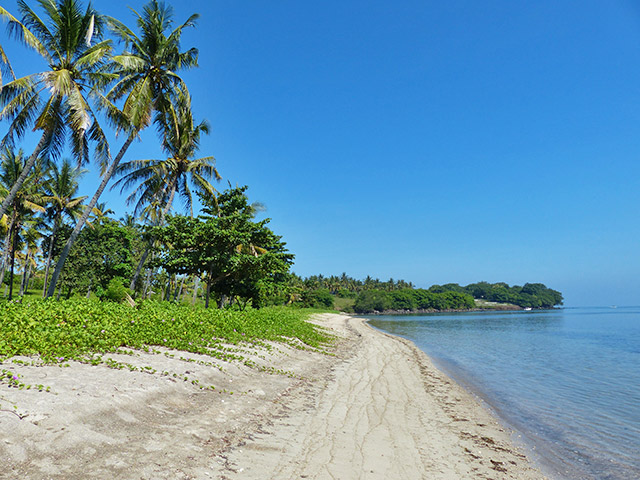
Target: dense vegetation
x,y
411,300
531,295
373,295
98,72
80,328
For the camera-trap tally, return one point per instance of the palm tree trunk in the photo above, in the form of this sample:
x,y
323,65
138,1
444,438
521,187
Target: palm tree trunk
x,y
5,254
25,272
209,282
147,250
13,261
179,290
87,211
195,290
143,259
49,257
24,174
147,284
26,285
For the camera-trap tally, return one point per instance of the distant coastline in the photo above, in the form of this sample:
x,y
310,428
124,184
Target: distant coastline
x,y
421,311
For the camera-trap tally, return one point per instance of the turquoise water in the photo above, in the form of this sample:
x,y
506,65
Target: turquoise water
x,y
568,380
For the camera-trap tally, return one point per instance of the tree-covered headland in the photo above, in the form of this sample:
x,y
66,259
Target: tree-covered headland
x,y
372,295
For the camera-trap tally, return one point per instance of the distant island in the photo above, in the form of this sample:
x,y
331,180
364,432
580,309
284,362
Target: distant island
x,y
374,296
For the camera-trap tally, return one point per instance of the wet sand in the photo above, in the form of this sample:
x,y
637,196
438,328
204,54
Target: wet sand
x,y
374,408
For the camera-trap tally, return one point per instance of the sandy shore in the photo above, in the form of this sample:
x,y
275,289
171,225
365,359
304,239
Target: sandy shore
x,y
375,409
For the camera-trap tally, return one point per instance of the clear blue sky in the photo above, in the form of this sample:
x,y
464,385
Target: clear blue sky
x,y
436,142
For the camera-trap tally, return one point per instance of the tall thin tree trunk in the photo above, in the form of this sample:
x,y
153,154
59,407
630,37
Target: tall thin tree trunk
x,y
26,286
195,290
87,211
147,284
209,280
5,254
24,174
49,256
7,250
143,260
179,290
13,261
147,250
25,272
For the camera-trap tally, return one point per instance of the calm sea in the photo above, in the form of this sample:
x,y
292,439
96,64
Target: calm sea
x,y
568,380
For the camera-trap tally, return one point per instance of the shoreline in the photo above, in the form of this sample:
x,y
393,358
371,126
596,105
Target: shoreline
x,y
519,436
376,407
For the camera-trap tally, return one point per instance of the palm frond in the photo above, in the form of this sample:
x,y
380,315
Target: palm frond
x,y
23,34
94,56
102,150
5,66
130,62
33,32
120,30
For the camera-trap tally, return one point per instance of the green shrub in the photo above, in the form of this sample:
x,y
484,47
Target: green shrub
x,y
403,300
320,298
115,291
372,301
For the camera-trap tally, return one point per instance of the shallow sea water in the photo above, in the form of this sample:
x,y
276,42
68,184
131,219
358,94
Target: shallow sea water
x,y
568,380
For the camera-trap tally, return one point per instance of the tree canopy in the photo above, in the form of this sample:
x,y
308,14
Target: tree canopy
x,y
236,255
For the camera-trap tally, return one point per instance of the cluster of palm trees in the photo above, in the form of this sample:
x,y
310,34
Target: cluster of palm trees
x,y
345,283
87,84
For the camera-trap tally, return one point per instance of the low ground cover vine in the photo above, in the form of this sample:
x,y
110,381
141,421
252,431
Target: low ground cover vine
x,y
77,329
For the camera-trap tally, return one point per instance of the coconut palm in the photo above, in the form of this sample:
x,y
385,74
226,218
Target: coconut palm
x,y
56,101
33,232
100,213
27,200
147,81
158,181
60,193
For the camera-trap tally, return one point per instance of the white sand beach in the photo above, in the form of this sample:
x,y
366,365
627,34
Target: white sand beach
x,y
375,408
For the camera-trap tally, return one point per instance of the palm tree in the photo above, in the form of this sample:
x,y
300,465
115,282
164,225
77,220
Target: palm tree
x,y
64,39
60,193
99,214
159,180
130,221
33,233
26,201
148,83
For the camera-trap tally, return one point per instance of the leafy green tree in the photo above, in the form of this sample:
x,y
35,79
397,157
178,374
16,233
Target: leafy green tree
x,y
403,300
320,298
372,301
101,254
236,254
60,193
